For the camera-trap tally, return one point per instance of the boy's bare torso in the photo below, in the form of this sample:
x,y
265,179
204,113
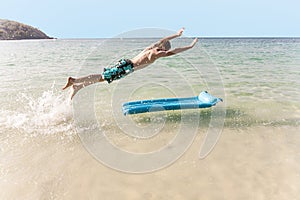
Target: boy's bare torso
x,y
146,57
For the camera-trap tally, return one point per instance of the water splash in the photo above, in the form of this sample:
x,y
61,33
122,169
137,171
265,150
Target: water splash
x,y
48,114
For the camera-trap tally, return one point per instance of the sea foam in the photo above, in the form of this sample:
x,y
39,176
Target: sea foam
x,y
50,113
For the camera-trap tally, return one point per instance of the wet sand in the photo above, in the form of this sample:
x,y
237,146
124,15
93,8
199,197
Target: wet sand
x,y
253,163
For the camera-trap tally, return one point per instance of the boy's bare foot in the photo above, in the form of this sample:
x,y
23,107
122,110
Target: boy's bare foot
x,y
69,83
74,90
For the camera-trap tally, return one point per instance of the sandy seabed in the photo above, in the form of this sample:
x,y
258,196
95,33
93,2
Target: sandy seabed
x,y
253,163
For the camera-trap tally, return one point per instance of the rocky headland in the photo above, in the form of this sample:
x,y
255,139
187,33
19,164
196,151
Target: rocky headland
x,y
12,30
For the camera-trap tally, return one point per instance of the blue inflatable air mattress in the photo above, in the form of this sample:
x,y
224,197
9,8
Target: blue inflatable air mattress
x,y
204,100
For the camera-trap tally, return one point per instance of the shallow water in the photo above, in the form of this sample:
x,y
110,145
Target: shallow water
x,y
42,156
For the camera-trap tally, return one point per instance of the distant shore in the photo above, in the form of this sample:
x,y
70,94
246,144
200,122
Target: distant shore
x,y
12,30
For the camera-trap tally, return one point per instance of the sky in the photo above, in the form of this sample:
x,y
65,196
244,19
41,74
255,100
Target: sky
x,y
106,19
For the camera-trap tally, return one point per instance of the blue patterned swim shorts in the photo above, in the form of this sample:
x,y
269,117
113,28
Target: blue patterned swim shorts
x,y
122,68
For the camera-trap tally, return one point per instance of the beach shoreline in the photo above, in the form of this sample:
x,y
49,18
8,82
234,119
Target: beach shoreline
x,y
262,160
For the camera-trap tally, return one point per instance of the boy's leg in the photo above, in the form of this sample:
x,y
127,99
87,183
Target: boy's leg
x,y
69,82
75,89
85,81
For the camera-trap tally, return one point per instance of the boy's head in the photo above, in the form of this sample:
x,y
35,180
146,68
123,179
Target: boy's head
x,y
166,45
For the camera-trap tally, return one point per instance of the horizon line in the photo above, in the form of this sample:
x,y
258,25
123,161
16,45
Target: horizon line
x,y
200,37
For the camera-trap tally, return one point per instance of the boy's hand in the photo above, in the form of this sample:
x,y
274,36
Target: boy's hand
x,y
194,42
180,31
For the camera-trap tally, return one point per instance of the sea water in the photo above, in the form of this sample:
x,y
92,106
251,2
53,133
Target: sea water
x,y
258,79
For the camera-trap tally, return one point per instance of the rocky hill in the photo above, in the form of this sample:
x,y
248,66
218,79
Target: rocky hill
x,y
11,30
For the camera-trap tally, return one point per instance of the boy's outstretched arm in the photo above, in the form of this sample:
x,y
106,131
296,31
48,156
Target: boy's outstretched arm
x,y
181,49
170,37
178,34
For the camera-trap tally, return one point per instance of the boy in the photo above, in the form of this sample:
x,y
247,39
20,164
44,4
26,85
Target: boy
x,y
160,49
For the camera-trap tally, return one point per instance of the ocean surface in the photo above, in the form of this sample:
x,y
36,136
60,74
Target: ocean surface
x,y
256,155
